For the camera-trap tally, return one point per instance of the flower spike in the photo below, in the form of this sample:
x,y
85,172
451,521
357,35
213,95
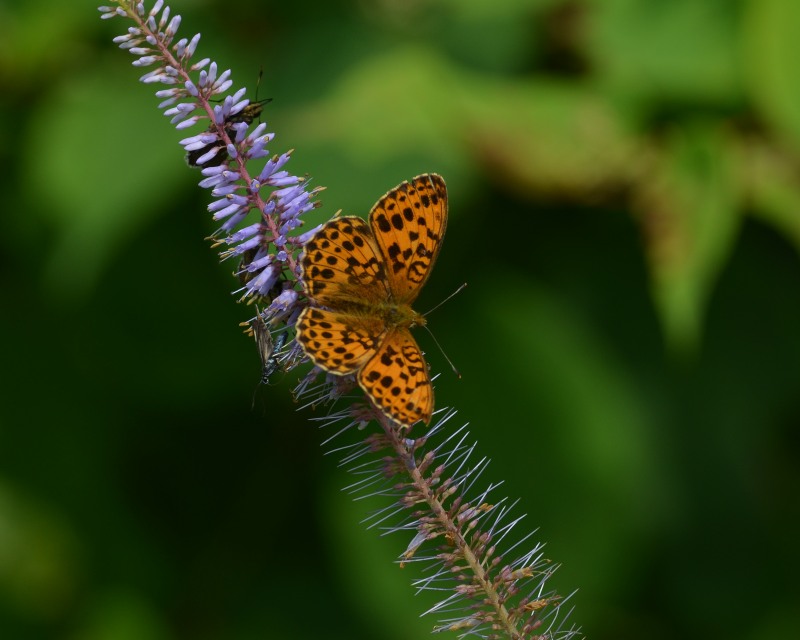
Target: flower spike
x,y
223,150
456,530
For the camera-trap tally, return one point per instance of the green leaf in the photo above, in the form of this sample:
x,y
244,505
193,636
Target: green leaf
x,y
774,188
690,215
551,136
101,168
682,50
393,115
123,614
543,136
364,560
772,49
567,408
38,556
492,36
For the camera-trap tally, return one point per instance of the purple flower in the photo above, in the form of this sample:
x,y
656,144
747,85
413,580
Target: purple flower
x,y
197,92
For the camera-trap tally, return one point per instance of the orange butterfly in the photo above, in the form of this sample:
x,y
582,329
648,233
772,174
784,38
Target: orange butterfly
x,y
360,280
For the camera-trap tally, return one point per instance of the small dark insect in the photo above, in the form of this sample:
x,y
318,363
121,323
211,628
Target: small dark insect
x,y
268,348
248,114
272,365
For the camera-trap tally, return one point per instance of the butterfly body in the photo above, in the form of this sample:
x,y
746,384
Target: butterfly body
x,y
400,315
361,279
392,313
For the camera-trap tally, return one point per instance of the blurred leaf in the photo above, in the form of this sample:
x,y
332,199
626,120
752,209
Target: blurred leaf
x,y
541,136
394,103
490,36
27,33
557,362
390,118
774,183
365,561
481,10
772,48
117,164
690,214
555,138
681,50
781,620
563,395
120,614
38,572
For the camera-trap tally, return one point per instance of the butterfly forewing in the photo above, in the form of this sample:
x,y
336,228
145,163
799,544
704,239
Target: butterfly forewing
x,y
342,265
409,223
397,380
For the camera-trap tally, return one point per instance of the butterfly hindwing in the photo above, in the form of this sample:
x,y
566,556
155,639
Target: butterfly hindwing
x,y
337,342
396,379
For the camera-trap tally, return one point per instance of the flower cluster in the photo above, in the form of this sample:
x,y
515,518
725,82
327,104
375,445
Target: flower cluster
x,y
455,533
268,247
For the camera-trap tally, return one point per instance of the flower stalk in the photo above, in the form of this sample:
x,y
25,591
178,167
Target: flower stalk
x,y
428,479
458,538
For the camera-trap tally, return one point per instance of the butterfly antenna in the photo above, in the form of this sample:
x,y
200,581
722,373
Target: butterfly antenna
x,y
449,361
457,291
263,101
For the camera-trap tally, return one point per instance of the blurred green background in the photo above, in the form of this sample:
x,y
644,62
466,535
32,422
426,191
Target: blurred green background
x,y
624,179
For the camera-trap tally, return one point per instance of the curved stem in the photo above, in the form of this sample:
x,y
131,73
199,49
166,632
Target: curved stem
x,y
449,525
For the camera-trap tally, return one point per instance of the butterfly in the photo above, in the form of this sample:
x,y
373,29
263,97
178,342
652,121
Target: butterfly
x,y
248,114
360,279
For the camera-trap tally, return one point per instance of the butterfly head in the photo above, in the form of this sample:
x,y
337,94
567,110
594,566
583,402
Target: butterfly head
x,y
418,320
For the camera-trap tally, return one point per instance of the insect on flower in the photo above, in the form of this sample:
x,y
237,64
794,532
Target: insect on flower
x,y
215,153
268,349
361,279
